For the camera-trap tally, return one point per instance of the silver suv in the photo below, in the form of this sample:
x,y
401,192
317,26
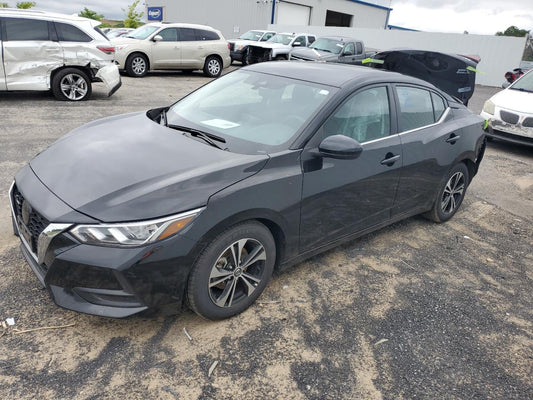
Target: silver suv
x,y
172,46
43,51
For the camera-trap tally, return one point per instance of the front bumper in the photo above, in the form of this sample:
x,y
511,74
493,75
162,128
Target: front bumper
x,y
517,132
105,281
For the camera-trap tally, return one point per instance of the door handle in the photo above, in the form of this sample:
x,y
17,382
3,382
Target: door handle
x,y
390,159
453,138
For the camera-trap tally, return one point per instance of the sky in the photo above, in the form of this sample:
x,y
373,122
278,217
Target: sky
x,y
484,17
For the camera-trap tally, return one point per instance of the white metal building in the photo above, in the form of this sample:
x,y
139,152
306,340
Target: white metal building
x,y
234,17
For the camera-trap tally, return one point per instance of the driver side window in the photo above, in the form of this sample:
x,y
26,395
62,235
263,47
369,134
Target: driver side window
x,y
365,116
169,35
349,50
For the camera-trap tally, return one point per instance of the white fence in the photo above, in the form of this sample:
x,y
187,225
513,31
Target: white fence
x,y
499,54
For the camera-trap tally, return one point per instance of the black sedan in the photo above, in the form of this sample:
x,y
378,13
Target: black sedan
x,y
199,202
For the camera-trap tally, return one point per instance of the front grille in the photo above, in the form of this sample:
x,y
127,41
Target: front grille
x,y
36,223
509,117
528,122
258,54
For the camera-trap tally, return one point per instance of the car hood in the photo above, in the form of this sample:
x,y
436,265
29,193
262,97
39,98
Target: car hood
x,y
123,40
129,168
267,45
241,42
313,54
514,100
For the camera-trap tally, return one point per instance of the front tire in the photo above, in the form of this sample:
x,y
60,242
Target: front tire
x,y
212,67
71,84
137,65
450,195
232,271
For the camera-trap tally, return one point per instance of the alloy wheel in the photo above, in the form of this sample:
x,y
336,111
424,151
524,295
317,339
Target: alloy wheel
x,y
237,272
453,193
138,65
213,66
74,86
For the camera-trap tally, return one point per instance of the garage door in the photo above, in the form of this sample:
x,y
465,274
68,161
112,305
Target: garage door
x,y
293,14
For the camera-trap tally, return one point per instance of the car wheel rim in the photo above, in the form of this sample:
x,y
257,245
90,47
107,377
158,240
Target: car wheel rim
x,y
138,65
213,67
74,87
453,192
237,272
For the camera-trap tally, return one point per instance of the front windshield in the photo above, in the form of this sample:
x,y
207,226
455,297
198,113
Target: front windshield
x,y
329,45
142,32
251,35
256,113
281,38
525,83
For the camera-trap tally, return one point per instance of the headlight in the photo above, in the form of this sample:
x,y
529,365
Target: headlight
x,y
489,107
135,233
239,47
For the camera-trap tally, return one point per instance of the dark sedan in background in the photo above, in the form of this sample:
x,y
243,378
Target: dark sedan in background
x,y
199,202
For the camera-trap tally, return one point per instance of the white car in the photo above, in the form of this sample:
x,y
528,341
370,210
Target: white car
x,y
278,47
62,53
509,114
239,47
172,46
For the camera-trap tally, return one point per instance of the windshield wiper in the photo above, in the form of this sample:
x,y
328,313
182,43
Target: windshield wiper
x,y
206,137
522,90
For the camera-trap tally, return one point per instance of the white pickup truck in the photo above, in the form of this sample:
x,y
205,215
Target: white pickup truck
x,y
278,47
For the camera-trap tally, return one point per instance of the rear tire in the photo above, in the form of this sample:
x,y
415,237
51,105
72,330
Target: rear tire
x,y
212,67
450,195
232,271
71,84
137,65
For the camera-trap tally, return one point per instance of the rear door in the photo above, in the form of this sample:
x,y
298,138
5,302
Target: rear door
x,y
431,141
31,51
2,72
193,51
340,197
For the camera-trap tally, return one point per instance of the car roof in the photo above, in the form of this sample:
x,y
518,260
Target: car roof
x,y
332,74
294,34
16,12
341,38
180,25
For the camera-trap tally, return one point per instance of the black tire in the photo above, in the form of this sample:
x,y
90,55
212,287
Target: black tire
x,y
218,289
244,59
71,84
212,67
450,195
280,58
137,65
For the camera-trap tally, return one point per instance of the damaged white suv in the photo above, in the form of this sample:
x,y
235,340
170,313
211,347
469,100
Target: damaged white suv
x,y
62,53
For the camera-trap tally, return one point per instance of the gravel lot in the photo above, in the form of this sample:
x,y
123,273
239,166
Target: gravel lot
x,y
415,310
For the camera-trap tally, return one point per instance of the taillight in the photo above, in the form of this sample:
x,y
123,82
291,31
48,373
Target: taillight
x,y
106,49
229,47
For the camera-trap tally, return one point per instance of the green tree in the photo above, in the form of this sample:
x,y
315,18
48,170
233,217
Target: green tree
x,y
513,31
4,5
90,14
133,17
26,4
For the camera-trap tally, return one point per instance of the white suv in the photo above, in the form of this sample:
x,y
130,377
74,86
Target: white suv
x,y
43,51
172,46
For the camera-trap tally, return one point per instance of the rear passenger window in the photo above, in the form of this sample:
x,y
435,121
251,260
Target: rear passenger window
x,y
359,48
311,39
416,108
69,33
439,106
26,29
206,35
187,35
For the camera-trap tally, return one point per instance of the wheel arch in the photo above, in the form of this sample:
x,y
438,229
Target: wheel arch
x,y
142,53
84,68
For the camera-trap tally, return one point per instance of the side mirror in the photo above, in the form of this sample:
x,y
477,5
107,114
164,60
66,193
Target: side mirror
x,y
347,53
157,38
340,147
296,44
